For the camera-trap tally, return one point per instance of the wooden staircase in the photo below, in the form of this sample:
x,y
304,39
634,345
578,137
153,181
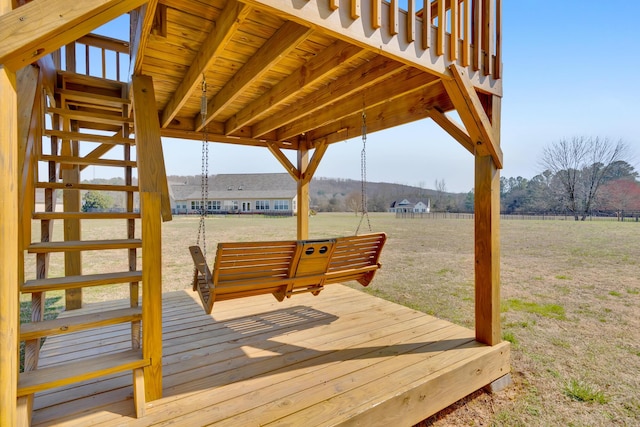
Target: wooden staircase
x,y
89,118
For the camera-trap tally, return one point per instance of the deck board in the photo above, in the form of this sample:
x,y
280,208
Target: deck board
x,y
343,357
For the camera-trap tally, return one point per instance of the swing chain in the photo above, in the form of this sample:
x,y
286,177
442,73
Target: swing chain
x,y
363,174
204,180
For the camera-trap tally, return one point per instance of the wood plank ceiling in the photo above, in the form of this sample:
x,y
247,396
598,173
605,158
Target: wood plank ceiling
x,y
274,81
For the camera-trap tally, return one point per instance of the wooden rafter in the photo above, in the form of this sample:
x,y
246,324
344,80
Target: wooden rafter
x,y
32,31
226,26
312,71
472,114
410,107
286,39
364,76
407,81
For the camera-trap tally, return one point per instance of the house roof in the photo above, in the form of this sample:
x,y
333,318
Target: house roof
x,y
239,186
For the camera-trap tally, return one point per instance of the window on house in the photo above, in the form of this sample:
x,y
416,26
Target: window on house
x,y
281,205
262,205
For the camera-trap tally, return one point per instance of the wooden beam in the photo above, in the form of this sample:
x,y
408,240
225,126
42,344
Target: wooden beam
x,y
193,135
487,239
408,81
363,77
286,39
32,31
318,153
316,68
302,191
28,128
140,36
150,206
284,161
464,97
224,29
151,170
454,129
9,245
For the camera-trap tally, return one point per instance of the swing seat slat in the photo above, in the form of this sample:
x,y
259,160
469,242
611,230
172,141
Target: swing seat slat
x,y
284,268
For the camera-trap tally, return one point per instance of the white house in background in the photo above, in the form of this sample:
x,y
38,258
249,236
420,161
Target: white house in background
x,y
406,206
266,193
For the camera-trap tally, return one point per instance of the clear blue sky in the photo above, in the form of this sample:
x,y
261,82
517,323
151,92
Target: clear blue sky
x,y
571,68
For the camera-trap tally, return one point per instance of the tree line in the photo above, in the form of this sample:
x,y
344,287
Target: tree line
x,y
582,176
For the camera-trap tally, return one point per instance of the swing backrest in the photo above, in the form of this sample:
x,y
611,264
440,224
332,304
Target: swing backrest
x,y
356,258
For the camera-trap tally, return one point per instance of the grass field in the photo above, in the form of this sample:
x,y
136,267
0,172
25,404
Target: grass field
x,y
570,302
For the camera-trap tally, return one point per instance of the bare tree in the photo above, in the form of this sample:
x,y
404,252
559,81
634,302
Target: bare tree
x,y
353,202
441,192
581,164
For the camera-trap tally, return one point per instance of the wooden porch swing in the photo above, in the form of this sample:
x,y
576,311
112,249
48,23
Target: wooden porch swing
x,y
282,268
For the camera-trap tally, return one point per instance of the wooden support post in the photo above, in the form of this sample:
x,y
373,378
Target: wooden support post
x,y
303,194
72,203
151,171
487,239
9,243
152,293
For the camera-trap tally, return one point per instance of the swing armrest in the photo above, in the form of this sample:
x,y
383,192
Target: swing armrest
x,y
200,263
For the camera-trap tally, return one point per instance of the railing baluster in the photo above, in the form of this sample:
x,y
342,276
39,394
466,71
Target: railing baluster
x,y
426,24
453,45
118,66
497,69
104,64
477,34
376,13
333,4
466,31
487,35
86,58
442,27
393,17
411,20
355,9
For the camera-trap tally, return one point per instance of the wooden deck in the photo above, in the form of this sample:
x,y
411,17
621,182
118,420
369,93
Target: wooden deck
x,y
343,357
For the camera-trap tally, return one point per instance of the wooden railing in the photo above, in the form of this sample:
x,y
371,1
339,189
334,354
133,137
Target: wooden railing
x,y
95,55
466,31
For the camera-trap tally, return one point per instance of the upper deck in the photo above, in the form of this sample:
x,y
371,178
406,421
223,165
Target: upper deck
x,y
286,71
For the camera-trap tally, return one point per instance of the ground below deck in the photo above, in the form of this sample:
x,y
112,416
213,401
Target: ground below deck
x,y
343,357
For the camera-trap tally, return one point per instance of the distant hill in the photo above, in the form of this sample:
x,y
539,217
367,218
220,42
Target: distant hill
x,y
340,195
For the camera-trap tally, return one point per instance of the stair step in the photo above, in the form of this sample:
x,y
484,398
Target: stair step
x,y
93,98
91,81
86,280
87,137
83,245
72,160
76,371
86,116
84,186
86,215
35,330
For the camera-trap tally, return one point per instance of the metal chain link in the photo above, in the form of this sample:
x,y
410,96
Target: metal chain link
x,y
204,180
363,174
